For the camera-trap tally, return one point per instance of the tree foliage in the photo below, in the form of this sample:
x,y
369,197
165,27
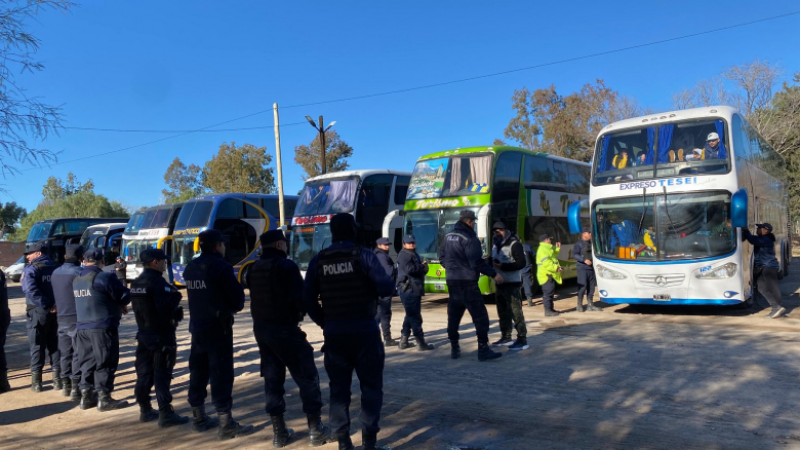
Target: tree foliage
x,y
336,153
56,189
239,169
183,182
10,215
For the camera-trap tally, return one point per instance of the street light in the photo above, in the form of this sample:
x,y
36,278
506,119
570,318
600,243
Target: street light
x,y
321,132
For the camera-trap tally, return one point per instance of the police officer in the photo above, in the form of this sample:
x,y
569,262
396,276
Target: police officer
x,y
41,310
156,305
5,321
411,271
508,257
215,295
119,268
462,257
100,302
385,303
582,253
342,286
276,302
548,271
67,320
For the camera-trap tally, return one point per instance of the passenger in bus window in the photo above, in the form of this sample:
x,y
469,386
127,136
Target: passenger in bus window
x,y
622,159
711,150
640,158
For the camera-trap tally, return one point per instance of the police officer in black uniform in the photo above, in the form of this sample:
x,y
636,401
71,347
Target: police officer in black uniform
x,y
582,253
411,271
215,295
67,320
276,302
5,321
41,310
342,286
385,303
100,302
156,305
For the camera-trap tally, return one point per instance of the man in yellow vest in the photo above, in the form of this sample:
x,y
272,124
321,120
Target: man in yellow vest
x,y
548,271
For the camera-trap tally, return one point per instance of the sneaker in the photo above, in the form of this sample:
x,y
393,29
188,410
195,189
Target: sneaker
x,y
519,345
776,312
503,342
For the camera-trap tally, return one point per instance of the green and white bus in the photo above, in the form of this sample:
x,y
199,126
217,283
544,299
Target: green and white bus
x,y
529,191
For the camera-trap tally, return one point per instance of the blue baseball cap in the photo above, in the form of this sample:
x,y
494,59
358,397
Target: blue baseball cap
x,y
272,236
409,239
212,236
152,254
40,246
73,251
93,255
382,241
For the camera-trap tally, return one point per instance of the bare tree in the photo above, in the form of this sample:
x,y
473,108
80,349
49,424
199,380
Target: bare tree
x,y
756,82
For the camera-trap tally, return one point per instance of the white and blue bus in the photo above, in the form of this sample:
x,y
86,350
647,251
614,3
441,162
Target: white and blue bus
x,y
668,196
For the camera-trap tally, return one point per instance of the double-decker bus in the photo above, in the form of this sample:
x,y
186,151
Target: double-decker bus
x,y
369,195
57,233
151,228
242,218
669,194
528,191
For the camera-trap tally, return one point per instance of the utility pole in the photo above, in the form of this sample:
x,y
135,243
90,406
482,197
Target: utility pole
x,y
280,168
321,130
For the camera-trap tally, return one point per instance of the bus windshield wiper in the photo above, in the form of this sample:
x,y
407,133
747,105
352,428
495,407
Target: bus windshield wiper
x,y
644,210
666,209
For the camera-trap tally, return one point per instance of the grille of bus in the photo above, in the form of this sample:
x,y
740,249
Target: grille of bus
x,y
666,280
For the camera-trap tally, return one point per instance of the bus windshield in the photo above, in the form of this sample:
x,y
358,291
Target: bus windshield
x,y
430,227
136,247
184,249
681,226
89,238
195,214
689,147
450,176
307,242
134,223
40,231
327,197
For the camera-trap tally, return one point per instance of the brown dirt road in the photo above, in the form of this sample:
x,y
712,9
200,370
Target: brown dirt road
x,y
624,378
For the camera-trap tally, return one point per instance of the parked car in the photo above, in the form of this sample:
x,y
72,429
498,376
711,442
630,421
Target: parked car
x,y
14,271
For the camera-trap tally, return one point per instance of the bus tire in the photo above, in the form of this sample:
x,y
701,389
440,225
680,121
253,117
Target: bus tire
x,y
748,303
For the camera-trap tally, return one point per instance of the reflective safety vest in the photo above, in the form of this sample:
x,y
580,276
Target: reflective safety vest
x,y
91,305
346,292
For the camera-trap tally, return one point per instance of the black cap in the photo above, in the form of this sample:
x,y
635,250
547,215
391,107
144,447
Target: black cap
x,y
73,251
499,226
409,239
211,237
40,246
468,214
765,225
93,255
544,237
586,230
272,236
343,228
152,254
383,241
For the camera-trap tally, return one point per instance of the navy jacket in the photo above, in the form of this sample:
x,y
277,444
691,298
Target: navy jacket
x,y
110,284
384,286
462,255
529,256
289,274
577,250
409,265
221,276
167,300
386,262
62,288
37,293
764,249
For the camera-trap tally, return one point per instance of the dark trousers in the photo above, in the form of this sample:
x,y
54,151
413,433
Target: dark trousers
x,y
586,284
509,308
466,296
67,337
154,366
412,323
548,289
43,338
767,281
5,321
364,353
384,315
283,347
211,359
98,352
527,285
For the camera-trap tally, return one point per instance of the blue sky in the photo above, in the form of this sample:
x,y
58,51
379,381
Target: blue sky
x,y
186,65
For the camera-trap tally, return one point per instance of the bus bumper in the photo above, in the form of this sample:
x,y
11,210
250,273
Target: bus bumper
x,y
673,302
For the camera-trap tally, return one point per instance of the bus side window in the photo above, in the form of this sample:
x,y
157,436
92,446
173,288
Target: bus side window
x,y
578,179
505,189
242,235
373,205
541,173
401,190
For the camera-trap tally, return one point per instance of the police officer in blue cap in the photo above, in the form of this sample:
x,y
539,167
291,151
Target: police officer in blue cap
x,y
100,302
41,310
276,302
156,305
411,271
342,286
215,295
384,316
67,320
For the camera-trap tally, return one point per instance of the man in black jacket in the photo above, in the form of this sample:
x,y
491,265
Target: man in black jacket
x,y
276,302
508,259
384,316
411,271
582,253
67,320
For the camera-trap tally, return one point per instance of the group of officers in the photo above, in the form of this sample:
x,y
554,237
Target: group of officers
x,y
74,312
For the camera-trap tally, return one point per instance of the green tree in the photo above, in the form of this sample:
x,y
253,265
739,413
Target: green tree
x,y
183,182
239,169
336,153
780,125
56,189
10,215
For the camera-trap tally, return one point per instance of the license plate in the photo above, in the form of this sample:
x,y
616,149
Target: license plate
x,y
662,297
438,286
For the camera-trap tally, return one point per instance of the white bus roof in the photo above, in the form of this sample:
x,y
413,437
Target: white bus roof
x,y
121,224
360,173
671,116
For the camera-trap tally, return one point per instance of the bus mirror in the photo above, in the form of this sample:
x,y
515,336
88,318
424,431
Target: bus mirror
x,y
739,209
574,215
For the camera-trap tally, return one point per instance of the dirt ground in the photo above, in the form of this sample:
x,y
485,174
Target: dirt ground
x,y
624,378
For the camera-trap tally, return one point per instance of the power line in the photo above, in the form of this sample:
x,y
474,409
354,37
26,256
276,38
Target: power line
x,y
119,130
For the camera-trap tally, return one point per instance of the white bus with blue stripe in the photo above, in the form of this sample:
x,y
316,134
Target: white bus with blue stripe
x,y
668,196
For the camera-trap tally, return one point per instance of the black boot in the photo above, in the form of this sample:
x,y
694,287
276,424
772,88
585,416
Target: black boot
x,y
229,428
281,434
147,413
36,382
200,421
66,386
88,400
580,308
58,383
75,394
318,434
455,350
4,386
106,403
530,302
369,441
168,418
404,344
345,443
485,353
551,313
388,341
592,307
423,346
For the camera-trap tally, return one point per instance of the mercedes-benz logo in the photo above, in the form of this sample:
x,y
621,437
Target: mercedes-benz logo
x,y
661,281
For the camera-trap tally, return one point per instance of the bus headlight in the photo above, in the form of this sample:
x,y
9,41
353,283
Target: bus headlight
x,y
717,273
605,272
